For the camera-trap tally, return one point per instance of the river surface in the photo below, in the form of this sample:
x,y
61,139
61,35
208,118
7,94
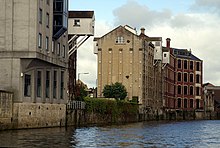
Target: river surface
x,y
186,134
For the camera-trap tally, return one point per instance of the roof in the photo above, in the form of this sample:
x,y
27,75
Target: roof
x,y
184,53
207,84
81,14
119,27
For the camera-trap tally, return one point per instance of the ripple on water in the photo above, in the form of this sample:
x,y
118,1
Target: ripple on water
x,y
188,134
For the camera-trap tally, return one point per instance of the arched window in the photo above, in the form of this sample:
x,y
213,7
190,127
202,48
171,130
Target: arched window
x,y
179,103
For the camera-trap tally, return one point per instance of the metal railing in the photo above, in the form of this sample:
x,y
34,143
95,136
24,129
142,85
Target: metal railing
x,y
74,105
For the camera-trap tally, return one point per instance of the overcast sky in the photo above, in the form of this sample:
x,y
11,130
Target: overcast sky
x,y
191,24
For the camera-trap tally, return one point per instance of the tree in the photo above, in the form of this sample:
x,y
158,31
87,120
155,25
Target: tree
x,y
117,91
80,92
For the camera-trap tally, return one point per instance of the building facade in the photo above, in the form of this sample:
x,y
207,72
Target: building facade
x,y
128,58
34,60
183,80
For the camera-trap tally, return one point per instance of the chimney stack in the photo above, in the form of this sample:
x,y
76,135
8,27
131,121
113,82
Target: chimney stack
x,y
142,30
168,42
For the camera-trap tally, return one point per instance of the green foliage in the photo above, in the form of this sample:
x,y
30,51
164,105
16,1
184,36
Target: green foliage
x,y
81,93
115,108
117,91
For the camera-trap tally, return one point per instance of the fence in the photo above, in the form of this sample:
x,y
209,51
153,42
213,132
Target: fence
x,y
74,105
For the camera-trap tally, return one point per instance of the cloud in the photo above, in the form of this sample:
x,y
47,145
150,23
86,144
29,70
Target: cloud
x,y
134,14
203,5
191,30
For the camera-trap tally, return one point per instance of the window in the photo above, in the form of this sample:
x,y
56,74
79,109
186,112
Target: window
x,y
191,103
47,20
179,64
39,40
64,51
185,90
191,65
179,103
47,84
119,40
179,89
27,85
191,77
61,85
55,84
191,90
40,15
48,2
39,84
197,91
47,44
185,77
179,77
185,64
58,49
197,66
185,103
52,46
197,103
197,78
165,55
76,23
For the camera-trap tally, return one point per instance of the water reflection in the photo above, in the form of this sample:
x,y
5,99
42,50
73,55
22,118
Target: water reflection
x,y
143,134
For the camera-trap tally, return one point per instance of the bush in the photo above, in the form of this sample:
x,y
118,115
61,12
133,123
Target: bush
x,y
111,107
117,91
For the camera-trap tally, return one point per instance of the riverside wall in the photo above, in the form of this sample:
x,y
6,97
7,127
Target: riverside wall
x,y
29,115
6,109
40,115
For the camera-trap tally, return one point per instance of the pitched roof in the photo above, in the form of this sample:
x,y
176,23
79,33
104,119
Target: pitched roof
x,y
81,14
184,53
122,27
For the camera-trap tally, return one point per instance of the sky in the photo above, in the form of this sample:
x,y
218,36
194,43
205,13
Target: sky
x,y
191,24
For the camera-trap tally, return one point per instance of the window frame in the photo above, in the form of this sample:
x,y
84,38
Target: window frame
x,y
76,22
40,15
58,49
39,40
185,90
27,85
62,85
179,63
47,19
47,44
54,84
47,84
185,64
185,77
120,40
39,84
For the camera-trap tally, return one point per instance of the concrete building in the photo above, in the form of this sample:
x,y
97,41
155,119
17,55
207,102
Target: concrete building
x,y
126,57
34,60
183,80
81,27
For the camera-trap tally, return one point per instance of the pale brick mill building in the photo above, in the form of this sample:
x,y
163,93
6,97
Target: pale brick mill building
x,y
133,60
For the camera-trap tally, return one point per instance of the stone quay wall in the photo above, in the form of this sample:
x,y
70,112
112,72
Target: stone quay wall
x,y
6,109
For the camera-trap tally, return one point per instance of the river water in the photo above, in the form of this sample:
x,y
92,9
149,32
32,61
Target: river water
x,y
186,134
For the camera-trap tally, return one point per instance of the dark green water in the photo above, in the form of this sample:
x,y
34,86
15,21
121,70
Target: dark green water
x,y
187,134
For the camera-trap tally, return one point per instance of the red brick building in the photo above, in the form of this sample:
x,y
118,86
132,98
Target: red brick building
x,y
183,80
